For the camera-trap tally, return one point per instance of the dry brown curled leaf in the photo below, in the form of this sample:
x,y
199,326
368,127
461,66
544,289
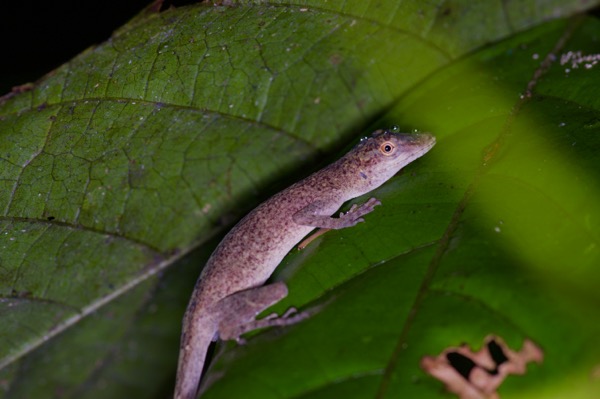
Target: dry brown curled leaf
x,y
477,375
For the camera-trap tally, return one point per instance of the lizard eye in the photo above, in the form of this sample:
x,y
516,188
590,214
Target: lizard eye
x,y
387,148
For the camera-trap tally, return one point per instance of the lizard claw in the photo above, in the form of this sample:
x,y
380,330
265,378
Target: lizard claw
x,y
289,312
271,316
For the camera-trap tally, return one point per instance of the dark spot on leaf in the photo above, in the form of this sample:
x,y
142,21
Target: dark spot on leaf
x,y
496,353
335,59
461,363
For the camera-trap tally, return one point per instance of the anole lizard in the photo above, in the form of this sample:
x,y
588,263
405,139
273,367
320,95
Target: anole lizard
x,y
230,291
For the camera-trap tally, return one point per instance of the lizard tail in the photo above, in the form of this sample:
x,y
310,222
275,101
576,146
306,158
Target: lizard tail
x,y
192,353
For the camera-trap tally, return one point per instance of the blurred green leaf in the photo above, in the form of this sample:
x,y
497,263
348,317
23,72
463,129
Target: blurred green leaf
x,y
117,168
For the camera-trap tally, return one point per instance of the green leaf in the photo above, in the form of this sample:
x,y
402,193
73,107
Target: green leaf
x,y
118,168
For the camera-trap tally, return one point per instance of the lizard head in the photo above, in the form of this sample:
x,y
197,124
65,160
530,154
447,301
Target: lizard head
x,y
379,157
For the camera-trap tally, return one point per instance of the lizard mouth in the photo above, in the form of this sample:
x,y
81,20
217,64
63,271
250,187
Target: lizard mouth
x,y
427,140
419,144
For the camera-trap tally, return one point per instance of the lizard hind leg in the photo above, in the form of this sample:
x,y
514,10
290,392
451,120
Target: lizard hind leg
x,y
238,311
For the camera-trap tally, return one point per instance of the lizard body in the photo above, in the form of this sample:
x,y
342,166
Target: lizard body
x,y
230,291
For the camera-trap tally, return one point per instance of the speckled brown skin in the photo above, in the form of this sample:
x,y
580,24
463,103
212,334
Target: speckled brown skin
x,y
230,292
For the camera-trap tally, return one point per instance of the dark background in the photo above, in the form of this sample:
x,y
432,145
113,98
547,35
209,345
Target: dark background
x,y
36,37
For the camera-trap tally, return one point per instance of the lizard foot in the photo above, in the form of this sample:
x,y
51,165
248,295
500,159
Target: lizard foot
x,y
356,212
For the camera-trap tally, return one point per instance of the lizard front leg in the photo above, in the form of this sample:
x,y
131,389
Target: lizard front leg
x,y
309,216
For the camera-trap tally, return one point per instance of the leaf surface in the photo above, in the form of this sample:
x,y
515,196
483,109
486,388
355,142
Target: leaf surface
x,y
119,167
